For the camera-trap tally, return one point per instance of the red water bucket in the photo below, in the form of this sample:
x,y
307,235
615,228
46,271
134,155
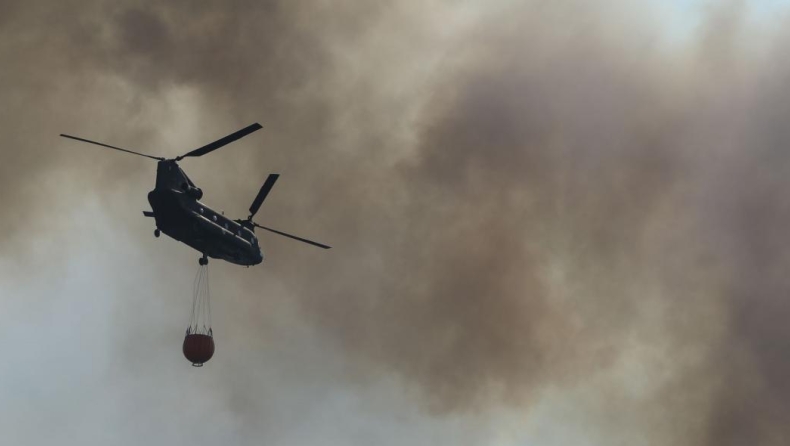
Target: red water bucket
x,y
198,348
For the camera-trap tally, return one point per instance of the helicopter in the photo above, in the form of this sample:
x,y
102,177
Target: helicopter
x,y
179,213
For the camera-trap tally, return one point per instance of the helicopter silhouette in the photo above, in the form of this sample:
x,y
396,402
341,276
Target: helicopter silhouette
x,y
178,212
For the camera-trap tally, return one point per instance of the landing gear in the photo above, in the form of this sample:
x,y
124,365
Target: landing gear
x,y
203,260
157,233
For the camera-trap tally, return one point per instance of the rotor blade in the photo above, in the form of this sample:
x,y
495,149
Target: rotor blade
x,y
222,141
309,242
111,147
267,186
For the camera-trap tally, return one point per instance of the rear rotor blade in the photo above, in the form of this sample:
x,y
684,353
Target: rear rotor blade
x,y
267,186
111,147
222,141
309,242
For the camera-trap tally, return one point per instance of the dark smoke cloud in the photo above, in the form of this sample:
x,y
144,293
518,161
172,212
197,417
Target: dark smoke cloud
x,y
521,197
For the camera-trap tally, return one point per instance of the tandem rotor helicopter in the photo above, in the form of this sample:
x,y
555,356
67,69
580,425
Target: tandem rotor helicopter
x,y
178,212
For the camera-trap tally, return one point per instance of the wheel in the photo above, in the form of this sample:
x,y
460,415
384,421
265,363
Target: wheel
x,y
157,232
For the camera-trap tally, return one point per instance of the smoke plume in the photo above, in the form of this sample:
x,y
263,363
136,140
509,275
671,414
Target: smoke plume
x,y
523,198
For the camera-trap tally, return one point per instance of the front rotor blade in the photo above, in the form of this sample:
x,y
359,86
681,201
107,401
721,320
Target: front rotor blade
x,y
309,242
222,141
267,186
111,147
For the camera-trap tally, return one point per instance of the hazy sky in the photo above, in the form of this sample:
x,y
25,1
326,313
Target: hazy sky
x,y
684,17
554,222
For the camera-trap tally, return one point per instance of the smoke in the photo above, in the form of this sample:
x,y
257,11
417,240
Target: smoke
x,y
524,199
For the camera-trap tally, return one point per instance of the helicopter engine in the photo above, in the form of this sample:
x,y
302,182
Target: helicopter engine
x,y
194,192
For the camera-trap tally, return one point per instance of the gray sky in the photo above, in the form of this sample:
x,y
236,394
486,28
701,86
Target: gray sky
x,y
555,222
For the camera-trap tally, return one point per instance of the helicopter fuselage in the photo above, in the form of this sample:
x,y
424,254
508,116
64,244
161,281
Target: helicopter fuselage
x,y
176,206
